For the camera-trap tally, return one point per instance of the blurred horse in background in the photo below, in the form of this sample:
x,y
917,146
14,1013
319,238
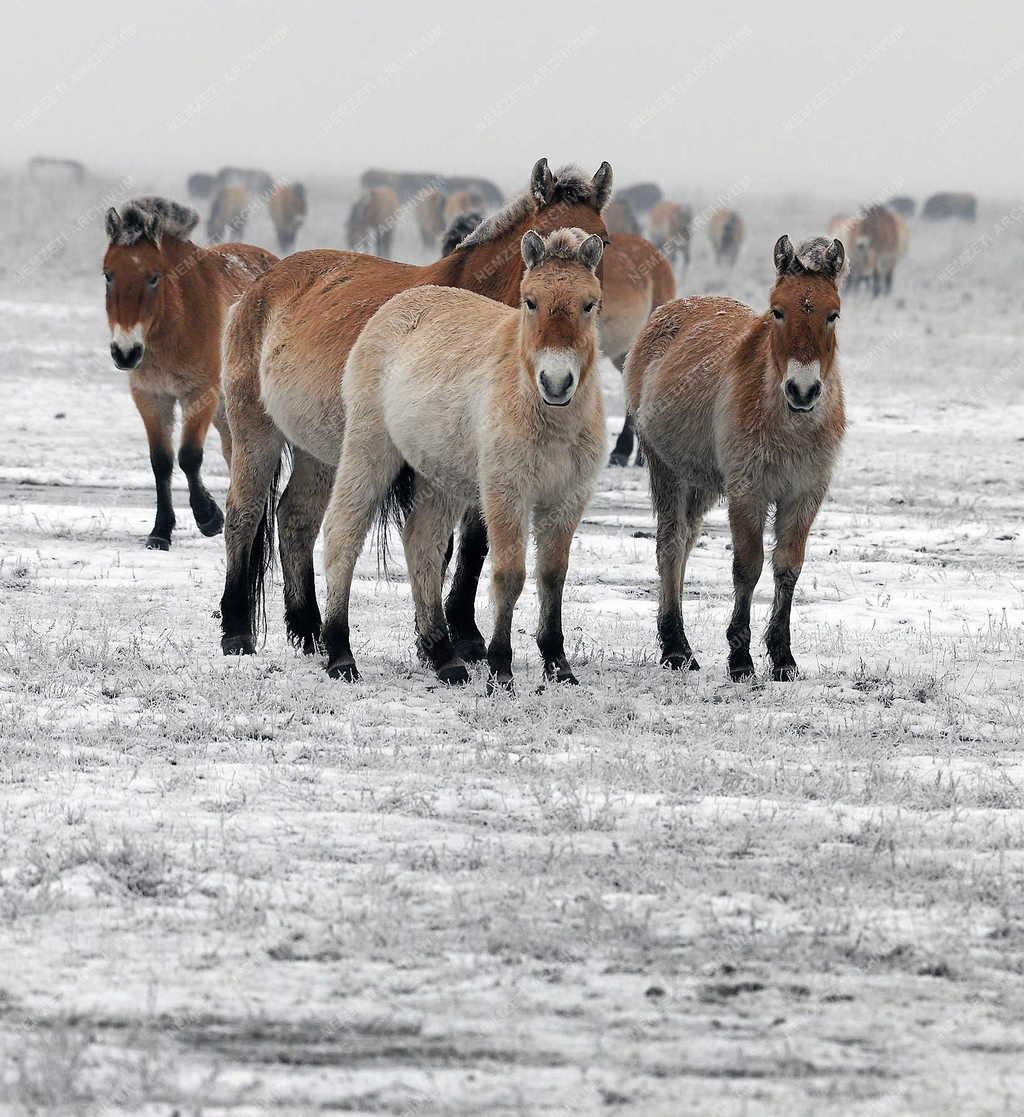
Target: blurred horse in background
x,y
167,300
229,214
620,218
726,229
372,220
430,217
670,226
288,212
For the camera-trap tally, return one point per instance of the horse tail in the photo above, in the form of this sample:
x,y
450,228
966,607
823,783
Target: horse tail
x,y
394,510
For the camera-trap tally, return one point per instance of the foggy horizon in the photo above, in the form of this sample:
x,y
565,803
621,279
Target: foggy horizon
x,y
882,104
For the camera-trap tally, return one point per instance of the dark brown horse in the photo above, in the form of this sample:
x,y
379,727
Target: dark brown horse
x,y
166,304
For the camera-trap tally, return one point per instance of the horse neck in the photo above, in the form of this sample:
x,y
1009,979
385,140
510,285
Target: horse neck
x,y
494,269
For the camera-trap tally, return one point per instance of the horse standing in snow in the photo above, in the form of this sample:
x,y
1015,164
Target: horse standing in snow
x,y
750,405
372,220
489,407
288,211
285,347
725,230
167,300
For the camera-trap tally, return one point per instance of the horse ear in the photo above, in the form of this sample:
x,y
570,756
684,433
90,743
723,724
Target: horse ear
x,y
784,254
590,252
114,224
542,182
603,185
835,257
533,249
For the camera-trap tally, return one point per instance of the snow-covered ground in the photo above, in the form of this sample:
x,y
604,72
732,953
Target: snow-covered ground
x,y
235,886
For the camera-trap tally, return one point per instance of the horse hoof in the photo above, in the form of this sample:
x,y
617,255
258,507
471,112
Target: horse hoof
x,y
214,525
238,645
742,672
560,675
343,669
157,543
785,673
678,662
453,674
501,682
472,649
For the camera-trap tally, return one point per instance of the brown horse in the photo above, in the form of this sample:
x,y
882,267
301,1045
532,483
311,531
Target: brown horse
x,y
725,230
372,221
463,201
288,212
430,216
487,406
670,226
286,346
166,304
620,218
886,235
228,214
749,405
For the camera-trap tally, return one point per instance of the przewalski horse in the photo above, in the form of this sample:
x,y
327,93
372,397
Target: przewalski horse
x,y
288,212
729,401
725,230
620,218
228,214
463,202
950,206
670,225
372,220
285,351
430,217
886,236
458,230
166,304
489,407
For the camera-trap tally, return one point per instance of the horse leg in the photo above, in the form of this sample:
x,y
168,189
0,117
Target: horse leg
x,y
369,466
220,421
793,519
198,412
746,522
623,449
672,546
507,529
554,528
425,537
300,513
157,411
248,525
460,605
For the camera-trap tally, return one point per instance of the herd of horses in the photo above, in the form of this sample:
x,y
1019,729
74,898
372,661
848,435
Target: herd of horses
x,y
460,399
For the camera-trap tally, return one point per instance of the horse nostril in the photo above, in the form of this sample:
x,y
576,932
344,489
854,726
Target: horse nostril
x,y
814,391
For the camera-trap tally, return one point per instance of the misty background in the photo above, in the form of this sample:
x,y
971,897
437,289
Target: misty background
x,y
814,98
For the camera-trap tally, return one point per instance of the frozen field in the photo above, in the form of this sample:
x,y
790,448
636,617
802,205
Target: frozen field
x,y
237,887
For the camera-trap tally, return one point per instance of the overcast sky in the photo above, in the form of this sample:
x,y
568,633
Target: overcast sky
x,y
800,96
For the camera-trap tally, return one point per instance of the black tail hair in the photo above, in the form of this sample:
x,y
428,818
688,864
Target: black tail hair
x,y
261,556
394,510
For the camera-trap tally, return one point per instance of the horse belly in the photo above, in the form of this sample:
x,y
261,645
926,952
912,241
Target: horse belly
x,y
307,409
433,432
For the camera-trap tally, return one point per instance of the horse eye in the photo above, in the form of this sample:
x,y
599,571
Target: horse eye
x,y
530,304
109,277
154,280
779,314
833,317
588,307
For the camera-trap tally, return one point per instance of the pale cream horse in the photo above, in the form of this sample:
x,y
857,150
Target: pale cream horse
x,y
455,401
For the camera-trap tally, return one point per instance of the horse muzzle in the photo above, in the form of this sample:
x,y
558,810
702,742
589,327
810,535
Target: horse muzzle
x,y
802,386
558,375
127,359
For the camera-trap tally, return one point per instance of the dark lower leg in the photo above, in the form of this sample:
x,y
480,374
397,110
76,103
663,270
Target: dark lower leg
x,y
208,516
460,605
508,585
162,461
748,559
777,634
623,449
550,640
300,513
